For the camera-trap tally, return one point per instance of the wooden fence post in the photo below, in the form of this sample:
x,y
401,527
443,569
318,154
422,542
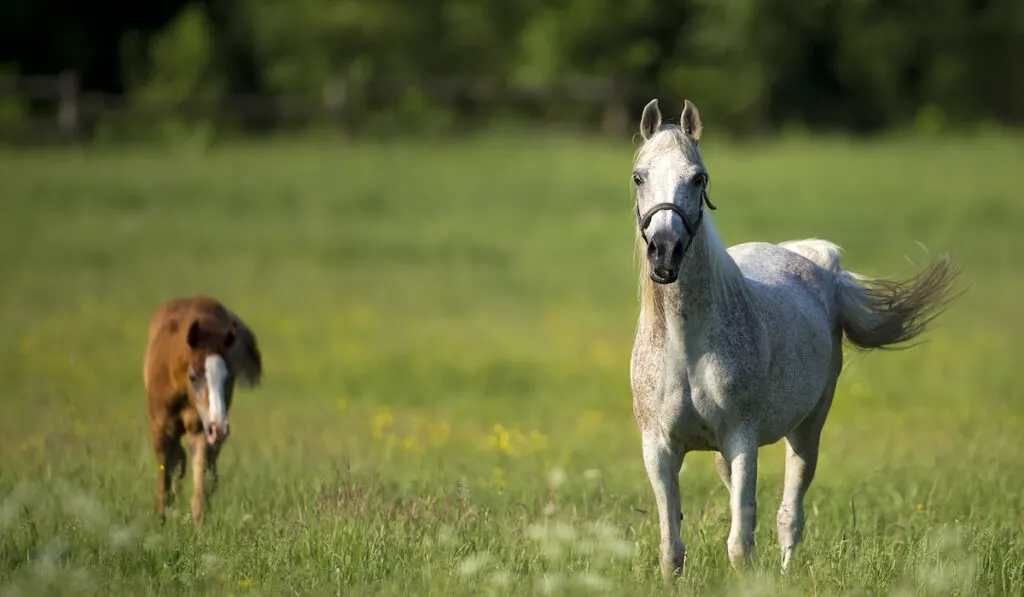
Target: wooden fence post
x,y
67,109
614,116
335,95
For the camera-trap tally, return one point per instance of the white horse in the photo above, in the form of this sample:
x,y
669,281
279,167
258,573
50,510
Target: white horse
x,y
739,348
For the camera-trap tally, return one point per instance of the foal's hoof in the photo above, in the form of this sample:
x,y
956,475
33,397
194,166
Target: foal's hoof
x,y
197,513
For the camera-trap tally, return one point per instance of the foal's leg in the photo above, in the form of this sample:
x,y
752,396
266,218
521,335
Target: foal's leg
x,y
663,466
176,464
163,445
197,443
742,457
801,461
212,453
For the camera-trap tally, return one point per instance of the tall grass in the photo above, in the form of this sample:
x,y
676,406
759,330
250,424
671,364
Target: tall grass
x,y
446,330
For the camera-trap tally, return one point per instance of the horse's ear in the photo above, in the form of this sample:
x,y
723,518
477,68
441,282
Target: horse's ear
x,y
193,334
690,121
650,121
232,333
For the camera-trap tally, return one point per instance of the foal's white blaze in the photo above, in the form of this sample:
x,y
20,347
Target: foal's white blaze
x,y
216,377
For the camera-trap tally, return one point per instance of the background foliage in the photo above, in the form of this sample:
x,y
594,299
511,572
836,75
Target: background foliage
x,y
862,65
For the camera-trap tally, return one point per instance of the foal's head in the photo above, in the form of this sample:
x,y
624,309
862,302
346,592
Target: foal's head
x,y
671,185
210,379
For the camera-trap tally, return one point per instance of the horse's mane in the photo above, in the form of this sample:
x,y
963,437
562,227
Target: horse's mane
x,y
245,354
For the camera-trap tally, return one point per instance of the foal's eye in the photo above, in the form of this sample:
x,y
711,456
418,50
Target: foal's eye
x,y
638,179
193,377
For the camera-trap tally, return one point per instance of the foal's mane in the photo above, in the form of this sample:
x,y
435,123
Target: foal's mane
x,y
674,139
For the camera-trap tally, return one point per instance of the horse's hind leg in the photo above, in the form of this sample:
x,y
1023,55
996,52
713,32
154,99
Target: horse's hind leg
x,y
801,461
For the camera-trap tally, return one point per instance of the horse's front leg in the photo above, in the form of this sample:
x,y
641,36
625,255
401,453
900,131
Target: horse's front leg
x,y
212,452
177,468
663,466
164,449
742,457
197,443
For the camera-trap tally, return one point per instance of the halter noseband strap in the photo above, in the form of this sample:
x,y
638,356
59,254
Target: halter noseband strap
x,y
643,221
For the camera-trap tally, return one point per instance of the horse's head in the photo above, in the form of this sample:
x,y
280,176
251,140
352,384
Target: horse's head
x,y
671,189
210,379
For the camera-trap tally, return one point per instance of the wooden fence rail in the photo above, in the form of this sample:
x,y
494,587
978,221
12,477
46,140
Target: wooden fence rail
x,y
57,108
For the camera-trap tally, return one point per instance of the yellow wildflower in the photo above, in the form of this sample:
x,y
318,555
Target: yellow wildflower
x,y
498,478
412,443
502,438
383,420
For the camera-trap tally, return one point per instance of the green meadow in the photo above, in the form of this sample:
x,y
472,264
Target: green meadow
x,y
446,329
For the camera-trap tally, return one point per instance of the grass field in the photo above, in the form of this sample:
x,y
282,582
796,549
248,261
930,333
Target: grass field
x,y
446,329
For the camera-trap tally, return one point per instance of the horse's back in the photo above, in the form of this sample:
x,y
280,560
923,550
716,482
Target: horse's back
x,y
169,316
781,276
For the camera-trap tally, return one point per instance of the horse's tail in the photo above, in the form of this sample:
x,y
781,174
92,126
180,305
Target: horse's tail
x,y
877,313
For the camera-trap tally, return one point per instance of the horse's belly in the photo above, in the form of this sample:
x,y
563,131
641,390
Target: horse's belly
x,y
786,405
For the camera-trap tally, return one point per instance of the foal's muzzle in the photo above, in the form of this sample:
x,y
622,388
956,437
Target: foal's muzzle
x,y
217,434
665,256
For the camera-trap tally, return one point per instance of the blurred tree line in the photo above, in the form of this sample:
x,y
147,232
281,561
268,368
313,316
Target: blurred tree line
x,y
751,65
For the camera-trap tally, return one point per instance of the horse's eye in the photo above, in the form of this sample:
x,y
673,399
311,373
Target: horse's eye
x,y
193,377
637,179
700,179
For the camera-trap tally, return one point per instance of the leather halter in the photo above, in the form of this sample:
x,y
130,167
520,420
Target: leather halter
x,y
643,221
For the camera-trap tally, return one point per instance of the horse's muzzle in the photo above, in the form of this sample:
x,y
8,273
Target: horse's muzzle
x,y
665,256
217,434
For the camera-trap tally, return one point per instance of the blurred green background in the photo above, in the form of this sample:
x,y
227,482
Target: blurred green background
x,y
424,210
371,67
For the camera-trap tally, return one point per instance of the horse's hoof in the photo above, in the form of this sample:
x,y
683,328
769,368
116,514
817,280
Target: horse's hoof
x,y
673,564
787,557
741,554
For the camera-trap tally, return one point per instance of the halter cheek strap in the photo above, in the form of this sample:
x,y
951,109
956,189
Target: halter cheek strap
x,y
644,220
